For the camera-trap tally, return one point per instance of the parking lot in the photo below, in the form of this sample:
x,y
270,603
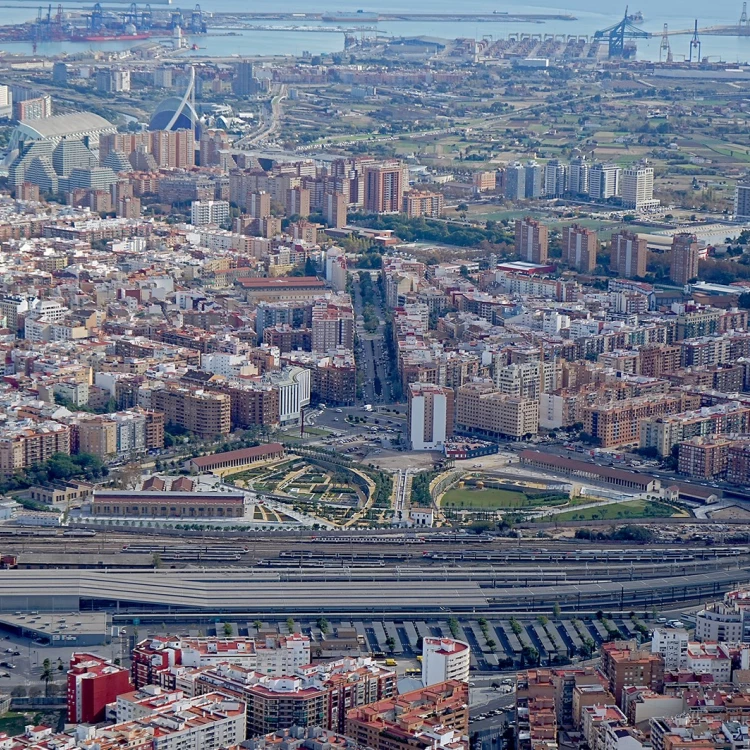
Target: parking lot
x,y
496,644
26,658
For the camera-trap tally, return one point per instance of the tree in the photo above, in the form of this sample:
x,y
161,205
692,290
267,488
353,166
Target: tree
x,y
556,609
257,624
47,676
529,656
322,623
310,269
491,644
227,629
390,641
453,625
290,624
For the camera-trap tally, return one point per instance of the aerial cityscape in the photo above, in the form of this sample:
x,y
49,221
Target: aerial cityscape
x,y
374,377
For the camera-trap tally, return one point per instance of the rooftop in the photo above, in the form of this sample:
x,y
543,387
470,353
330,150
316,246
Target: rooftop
x,y
59,126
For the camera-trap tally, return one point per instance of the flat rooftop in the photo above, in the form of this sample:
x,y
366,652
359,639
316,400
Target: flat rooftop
x,y
222,590
57,627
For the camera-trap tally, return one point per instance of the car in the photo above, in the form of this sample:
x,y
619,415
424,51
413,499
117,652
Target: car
x,y
123,631
16,653
4,674
8,650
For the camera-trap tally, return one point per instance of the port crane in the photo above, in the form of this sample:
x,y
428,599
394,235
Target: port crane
x,y
618,33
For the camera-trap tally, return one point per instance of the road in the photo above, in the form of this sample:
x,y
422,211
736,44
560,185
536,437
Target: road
x,y
270,120
372,356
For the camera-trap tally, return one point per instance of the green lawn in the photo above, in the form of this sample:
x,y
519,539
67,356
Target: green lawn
x,y
489,499
631,509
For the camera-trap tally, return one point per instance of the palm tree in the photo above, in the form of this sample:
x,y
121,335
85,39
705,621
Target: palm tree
x,y
47,676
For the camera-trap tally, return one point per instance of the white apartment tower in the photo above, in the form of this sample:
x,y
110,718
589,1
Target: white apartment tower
x,y
638,188
444,659
430,416
604,181
208,212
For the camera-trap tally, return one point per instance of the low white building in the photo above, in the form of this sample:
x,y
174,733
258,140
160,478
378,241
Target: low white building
x,y
422,516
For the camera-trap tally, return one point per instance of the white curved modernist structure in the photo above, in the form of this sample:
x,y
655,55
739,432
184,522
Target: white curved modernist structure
x,y
175,113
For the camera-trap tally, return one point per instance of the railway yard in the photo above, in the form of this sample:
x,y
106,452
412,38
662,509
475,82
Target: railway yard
x,y
430,575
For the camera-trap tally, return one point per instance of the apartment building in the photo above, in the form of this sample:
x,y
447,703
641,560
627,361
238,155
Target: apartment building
x,y
526,380
384,187
92,683
481,408
250,403
26,443
206,414
444,659
604,182
313,695
206,722
663,432
703,458
536,717
432,717
173,149
657,360
684,263
272,655
335,209
273,703
695,321
423,203
332,325
671,644
532,240
738,463
619,422
623,665
203,213
580,248
429,416
628,254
